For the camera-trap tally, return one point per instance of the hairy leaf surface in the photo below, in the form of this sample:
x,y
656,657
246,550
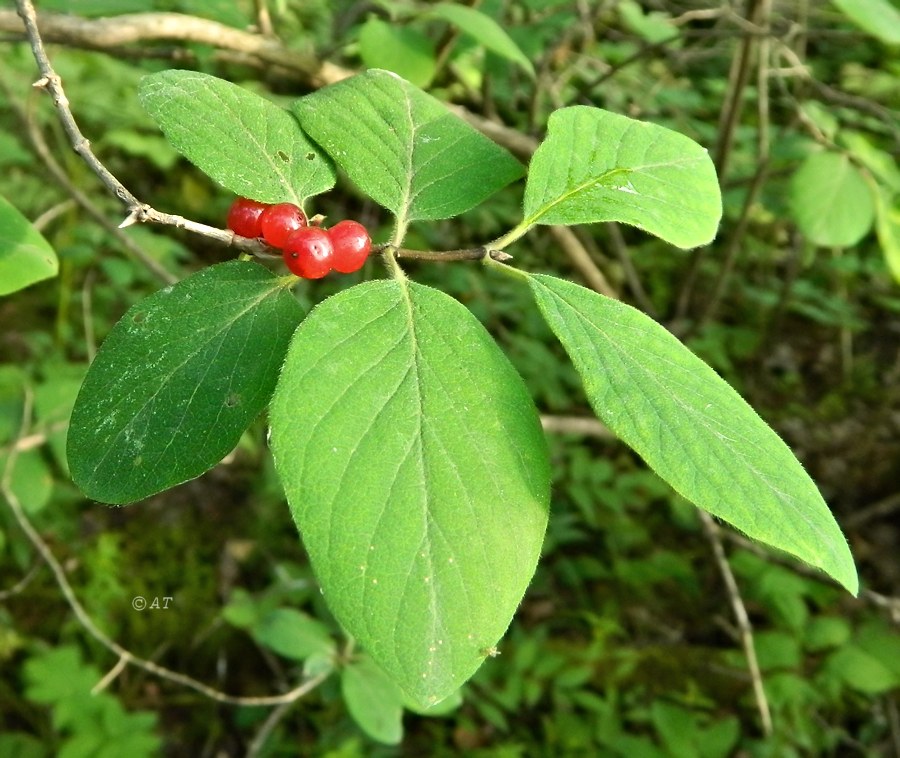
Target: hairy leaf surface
x,y
691,427
599,166
403,148
417,473
178,380
243,141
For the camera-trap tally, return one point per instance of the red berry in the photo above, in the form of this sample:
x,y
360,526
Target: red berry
x,y
243,217
278,221
308,252
351,246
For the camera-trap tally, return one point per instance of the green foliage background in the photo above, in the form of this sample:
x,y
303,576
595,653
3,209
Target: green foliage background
x,y
625,643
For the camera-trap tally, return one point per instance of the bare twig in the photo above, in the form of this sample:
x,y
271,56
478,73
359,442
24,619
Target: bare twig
x,y
463,254
39,144
583,425
87,622
740,612
617,240
21,584
130,28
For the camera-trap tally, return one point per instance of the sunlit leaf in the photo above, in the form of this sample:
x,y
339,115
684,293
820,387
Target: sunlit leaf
x,y
831,201
879,18
691,427
25,256
599,166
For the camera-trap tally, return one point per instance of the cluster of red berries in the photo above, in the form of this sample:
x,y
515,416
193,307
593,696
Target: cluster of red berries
x,y
309,250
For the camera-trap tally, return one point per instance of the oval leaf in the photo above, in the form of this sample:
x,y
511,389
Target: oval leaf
x,y
415,467
831,202
599,166
403,148
484,30
691,427
178,380
401,49
374,701
246,143
293,634
25,256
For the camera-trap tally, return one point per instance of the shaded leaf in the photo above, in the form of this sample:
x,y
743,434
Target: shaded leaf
x,y
178,380
417,473
691,427
293,634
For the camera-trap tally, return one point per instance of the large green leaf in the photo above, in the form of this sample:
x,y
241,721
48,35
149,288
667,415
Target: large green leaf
x,y
691,427
599,166
831,201
25,256
417,473
178,380
243,141
403,148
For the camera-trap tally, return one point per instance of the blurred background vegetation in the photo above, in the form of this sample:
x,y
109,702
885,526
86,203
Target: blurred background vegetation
x,y
626,642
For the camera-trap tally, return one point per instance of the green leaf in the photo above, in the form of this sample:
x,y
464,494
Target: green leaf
x,y
654,27
25,256
830,200
373,700
403,148
30,480
598,166
400,49
887,225
417,473
484,30
861,670
877,17
246,143
293,634
691,427
178,380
